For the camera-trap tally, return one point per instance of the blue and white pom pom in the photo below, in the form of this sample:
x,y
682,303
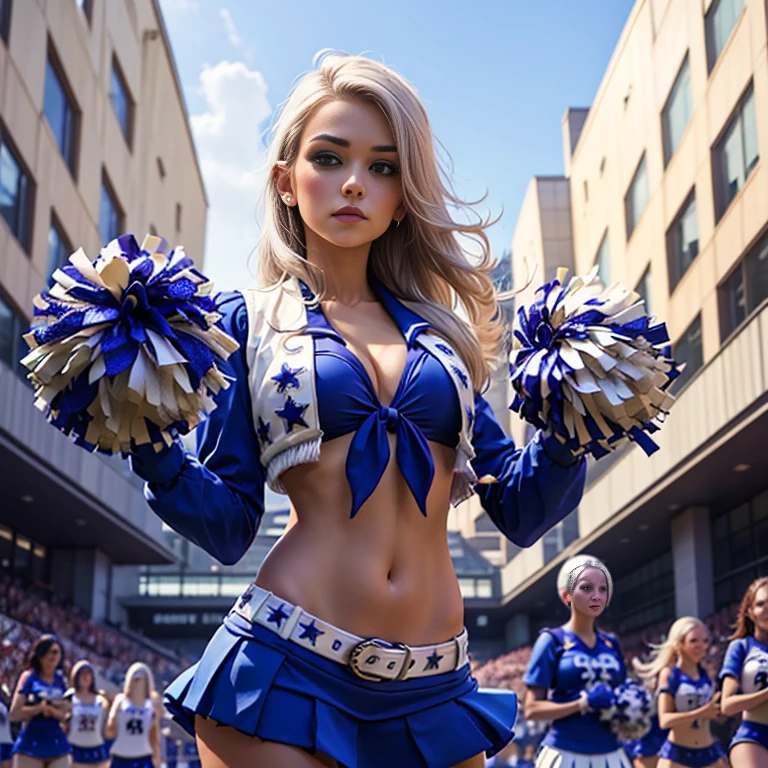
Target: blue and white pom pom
x,y
630,717
124,350
590,366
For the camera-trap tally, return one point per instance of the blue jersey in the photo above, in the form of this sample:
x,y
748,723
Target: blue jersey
x,y
43,737
746,660
567,669
689,693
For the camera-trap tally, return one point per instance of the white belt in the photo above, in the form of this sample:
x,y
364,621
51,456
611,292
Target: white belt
x,y
369,658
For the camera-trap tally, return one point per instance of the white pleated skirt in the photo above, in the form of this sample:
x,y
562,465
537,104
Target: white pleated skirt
x,y
549,757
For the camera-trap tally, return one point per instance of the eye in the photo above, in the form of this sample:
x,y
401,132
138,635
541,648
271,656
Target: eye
x,y
586,587
326,158
384,168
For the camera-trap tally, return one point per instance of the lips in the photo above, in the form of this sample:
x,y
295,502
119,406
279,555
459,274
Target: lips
x,y
348,213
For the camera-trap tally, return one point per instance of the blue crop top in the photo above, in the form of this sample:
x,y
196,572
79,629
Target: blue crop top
x,y
215,498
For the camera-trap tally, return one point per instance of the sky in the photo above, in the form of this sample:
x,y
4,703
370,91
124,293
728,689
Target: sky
x,y
496,77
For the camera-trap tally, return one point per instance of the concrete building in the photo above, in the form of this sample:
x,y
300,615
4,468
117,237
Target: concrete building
x,y
668,195
94,141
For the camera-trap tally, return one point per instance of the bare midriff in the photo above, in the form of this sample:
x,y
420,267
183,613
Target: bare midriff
x,y
758,714
692,738
385,573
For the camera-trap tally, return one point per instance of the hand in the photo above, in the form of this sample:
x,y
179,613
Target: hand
x,y
48,710
711,710
600,696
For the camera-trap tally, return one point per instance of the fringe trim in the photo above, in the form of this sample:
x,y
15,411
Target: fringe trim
x,y
464,478
304,453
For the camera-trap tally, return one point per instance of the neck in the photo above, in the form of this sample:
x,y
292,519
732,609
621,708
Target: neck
x,y
583,626
345,269
761,635
688,665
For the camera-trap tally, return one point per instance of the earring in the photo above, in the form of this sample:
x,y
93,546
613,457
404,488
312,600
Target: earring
x,y
288,199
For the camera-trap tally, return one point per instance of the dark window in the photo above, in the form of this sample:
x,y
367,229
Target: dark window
x,y
644,596
61,112
735,154
682,241
6,547
603,260
719,22
86,6
677,111
121,101
745,289
178,217
12,345
636,198
16,193
5,19
644,289
110,213
59,248
689,350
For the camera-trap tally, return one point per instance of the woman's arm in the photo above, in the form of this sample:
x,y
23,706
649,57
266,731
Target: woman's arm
x,y
19,709
154,734
734,702
537,486
536,706
214,499
110,729
669,717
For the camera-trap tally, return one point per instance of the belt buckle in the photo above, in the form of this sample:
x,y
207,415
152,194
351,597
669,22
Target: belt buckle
x,y
373,643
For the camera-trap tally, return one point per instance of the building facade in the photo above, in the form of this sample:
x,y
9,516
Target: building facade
x,y
94,141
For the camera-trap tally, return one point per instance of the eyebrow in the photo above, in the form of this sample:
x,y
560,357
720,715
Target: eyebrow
x,y
345,143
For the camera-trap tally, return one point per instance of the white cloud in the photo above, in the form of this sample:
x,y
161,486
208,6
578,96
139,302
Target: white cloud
x,y
229,25
232,158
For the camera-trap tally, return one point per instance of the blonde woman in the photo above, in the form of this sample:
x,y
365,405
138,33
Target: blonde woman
x,y
134,721
86,726
687,700
356,391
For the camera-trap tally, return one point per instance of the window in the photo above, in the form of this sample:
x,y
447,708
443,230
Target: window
x,y
16,193
677,111
5,19
637,197
682,241
745,289
178,217
735,154
121,101
644,289
86,6
12,345
61,112
646,595
161,167
719,23
603,260
688,350
110,214
59,249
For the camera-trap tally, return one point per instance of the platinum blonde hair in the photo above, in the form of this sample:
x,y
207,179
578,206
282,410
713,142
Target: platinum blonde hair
x,y
136,670
583,565
422,261
568,566
666,654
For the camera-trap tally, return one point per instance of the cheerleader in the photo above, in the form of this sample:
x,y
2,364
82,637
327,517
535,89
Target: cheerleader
x,y
86,726
134,721
744,678
645,752
687,700
6,740
572,673
39,702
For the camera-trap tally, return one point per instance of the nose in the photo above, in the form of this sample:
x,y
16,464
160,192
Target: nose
x,y
353,188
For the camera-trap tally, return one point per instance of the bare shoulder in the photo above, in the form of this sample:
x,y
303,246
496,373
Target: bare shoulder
x,y
23,679
664,676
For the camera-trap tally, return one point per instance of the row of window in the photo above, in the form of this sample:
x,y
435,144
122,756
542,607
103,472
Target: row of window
x,y
22,556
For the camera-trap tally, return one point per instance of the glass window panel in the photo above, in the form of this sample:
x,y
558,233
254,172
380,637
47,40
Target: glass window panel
x,y
109,216
761,539
603,260
739,518
59,250
732,162
683,242
760,506
757,275
723,593
637,197
232,587
677,111
118,93
5,19
749,126
689,350
7,334
484,588
733,303
467,587
644,289
720,21
10,182
59,113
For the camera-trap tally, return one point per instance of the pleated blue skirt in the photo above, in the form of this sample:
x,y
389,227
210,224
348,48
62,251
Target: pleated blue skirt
x,y
251,679
90,755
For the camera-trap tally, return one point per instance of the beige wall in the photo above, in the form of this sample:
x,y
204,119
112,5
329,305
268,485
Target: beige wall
x,y
131,30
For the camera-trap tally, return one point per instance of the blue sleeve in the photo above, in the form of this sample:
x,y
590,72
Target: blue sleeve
x,y
542,665
214,499
673,683
537,485
734,659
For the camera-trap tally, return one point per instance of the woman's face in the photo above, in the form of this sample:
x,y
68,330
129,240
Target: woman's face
x,y
695,643
139,686
347,158
590,593
84,679
759,611
51,659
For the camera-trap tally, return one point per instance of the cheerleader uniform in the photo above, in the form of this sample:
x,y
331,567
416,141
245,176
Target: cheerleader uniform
x,y
86,732
746,660
650,744
563,664
690,694
42,737
131,748
274,671
6,741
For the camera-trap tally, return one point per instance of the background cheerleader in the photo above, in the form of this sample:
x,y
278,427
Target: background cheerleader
x,y
134,721
86,726
745,679
6,740
572,673
687,701
39,702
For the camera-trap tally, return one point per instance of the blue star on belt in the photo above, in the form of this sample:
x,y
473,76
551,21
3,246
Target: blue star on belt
x,y
263,431
288,378
433,661
277,615
311,632
292,413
